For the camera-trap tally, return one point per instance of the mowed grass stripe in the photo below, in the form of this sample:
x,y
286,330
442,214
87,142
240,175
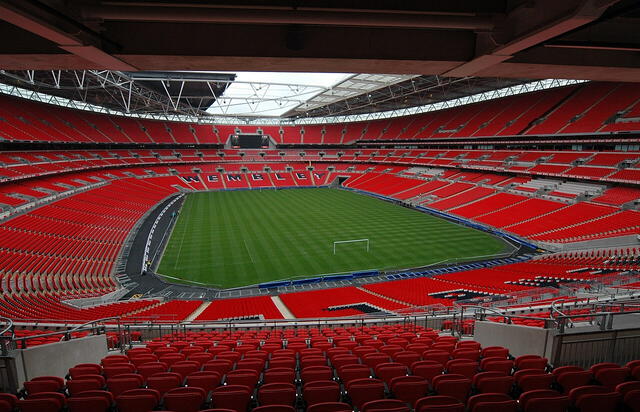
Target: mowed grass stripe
x,y
240,238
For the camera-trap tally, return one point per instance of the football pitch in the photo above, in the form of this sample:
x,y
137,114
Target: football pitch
x,y
239,238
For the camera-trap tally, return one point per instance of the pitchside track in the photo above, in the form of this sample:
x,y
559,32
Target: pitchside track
x,y
241,238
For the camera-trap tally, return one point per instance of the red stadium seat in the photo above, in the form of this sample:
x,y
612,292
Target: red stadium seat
x,y
234,397
439,404
85,383
203,379
244,377
274,408
348,373
385,405
165,381
188,399
277,394
543,400
138,400
320,391
83,404
427,369
409,388
44,384
632,400
316,373
124,382
330,407
362,391
456,386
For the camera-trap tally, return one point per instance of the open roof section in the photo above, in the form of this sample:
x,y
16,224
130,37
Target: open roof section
x,y
236,94
169,108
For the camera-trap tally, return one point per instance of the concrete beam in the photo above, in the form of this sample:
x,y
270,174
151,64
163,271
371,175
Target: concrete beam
x,y
64,40
529,26
298,16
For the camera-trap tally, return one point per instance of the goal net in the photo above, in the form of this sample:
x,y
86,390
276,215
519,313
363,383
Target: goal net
x,y
341,242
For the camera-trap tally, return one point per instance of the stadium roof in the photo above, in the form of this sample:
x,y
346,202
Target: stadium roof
x,y
536,39
249,94
317,59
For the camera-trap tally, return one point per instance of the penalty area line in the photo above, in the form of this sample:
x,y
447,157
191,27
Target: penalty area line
x,y
248,251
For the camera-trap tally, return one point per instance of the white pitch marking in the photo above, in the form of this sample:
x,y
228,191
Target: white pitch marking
x,y
248,251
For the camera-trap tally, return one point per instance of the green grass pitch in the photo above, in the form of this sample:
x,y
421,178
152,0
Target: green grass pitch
x,y
240,238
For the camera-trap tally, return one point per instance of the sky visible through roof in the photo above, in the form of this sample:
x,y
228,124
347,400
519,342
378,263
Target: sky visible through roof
x,y
272,93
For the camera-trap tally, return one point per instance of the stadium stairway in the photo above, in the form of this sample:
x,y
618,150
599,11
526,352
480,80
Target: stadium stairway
x,y
383,296
575,224
284,310
470,202
501,208
533,218
198,311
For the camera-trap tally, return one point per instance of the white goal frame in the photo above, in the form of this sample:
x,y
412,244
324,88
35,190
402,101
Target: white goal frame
x,y
349,241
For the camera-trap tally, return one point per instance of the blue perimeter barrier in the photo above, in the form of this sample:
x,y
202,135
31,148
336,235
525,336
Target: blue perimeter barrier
x,y
318,279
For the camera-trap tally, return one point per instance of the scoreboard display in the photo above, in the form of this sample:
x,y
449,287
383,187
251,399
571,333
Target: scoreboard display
x,y
249,141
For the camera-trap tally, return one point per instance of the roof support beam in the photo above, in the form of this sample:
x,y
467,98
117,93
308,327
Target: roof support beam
x,y
529,26
341,17
63,39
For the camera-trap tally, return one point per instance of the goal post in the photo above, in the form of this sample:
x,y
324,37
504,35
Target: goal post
x,y
337,242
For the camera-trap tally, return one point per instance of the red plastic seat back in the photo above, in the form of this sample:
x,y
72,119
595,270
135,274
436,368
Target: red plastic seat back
x,y
85,383
234,397
279,375
612,377
245,377
316,373
164,382
330,407
188,399
347,373
439,403
530,362
571,380
496,384
502,406
38,405
599,402
632,400
427,369
365,390
321,391
137,400
83,404
204,379
388,371
456,388
119,385
43,384
409,388
486,397
543,400
277,394
533,382
184,368
385,405
222,366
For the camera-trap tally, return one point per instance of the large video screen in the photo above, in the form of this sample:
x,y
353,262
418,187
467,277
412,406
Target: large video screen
x,y
250,141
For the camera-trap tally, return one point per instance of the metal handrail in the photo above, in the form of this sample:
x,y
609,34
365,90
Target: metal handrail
x,y
5,340
66,334
79,328
9,325
505,315
563,315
